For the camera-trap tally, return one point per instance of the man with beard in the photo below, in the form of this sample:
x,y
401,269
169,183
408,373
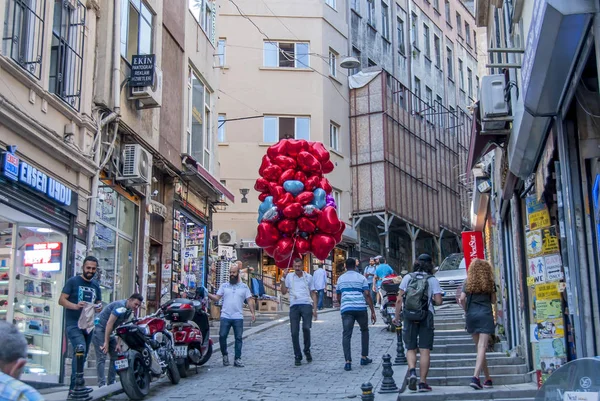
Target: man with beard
x,y
234,294
303,305
78,293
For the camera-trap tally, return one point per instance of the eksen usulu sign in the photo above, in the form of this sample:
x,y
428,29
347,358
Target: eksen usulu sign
x,y
142,70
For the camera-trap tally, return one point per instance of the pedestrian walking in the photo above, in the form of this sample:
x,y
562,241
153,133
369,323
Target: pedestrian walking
x,y
303,306
382,271
477,297
369,274
355,294
320,280
13,358
104,342
234,293
80,297
419,291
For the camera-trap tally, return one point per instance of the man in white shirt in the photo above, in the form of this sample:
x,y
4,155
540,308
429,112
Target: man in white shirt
x,y
234,294
303,305
369,274
320,280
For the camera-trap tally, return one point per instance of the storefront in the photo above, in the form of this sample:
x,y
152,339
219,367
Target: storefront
x,y
37,219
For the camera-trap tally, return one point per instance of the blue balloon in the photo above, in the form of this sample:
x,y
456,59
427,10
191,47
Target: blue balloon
x,y
294,187
264,206
319,200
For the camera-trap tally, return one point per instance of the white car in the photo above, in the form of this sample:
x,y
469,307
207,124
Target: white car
x,y
451,274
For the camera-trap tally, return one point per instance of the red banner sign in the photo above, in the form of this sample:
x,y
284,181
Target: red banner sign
x,y
472,246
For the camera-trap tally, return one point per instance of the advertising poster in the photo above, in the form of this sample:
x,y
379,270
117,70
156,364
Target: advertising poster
x,y
534,243
553,268
548,309
537,213
552,328
549,241
547,291
552,348
537,269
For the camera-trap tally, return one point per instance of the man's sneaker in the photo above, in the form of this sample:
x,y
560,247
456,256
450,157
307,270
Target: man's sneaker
x,y
412,381
348,366
488,384
297,361
225,360
475,383
365,361
308,356
238,363
424,387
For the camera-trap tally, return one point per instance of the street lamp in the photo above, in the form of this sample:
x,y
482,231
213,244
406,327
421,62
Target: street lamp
x,y
350,63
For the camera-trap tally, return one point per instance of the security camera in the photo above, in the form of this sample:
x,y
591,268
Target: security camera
x,y
155,193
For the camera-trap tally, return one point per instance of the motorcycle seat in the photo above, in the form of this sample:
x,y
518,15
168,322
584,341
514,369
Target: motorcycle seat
x,y
183,301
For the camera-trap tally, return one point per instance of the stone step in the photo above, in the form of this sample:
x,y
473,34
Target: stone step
x,y
455,339
459,348
470,363
518,392
450,326
464,356
495,370
449,333
465,380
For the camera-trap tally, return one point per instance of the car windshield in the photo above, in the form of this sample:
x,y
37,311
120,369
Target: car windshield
x,y
452,262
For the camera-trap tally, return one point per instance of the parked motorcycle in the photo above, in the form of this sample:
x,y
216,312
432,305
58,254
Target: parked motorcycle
x,y
389,288
191,330
149,354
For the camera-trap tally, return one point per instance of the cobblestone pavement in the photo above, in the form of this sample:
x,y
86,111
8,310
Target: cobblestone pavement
x,y
270,373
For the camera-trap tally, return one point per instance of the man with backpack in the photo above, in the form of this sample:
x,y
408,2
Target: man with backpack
x,y
419,291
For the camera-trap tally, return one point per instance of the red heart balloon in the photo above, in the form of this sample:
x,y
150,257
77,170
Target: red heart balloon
x,y
308,162
273,172
269,250
324,183
293,210
312,183
304,224
285,162
289,174
283,250
295,146
280,148
328,221
286,199
338,235
263,196
321,245
266,162
267,235
300,176
287,226
284,264
327,167
305,197
276,191
261,185
302,246
322,154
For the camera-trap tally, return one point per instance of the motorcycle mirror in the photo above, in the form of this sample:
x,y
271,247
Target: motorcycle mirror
x,y
120,311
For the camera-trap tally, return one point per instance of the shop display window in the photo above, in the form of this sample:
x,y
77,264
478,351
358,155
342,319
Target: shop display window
x,y
32,274
189,252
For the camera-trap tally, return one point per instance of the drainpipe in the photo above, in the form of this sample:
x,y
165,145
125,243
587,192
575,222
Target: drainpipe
x,y
114,117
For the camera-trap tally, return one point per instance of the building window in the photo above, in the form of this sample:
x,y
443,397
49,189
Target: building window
x,y
447,7
450,63
426,44
475,41
199,120
23,35
371,63
136,29
276,128
221,52
288,55
331,3
429,100
470,82
414,32
221,128
417,96
337,197
334,136
332,63
356,54
438,51
385,21
476,87
400,35
467,33
356,5
461,75
439,109
371,12
436,5
66,53
458,25
452,121
203,12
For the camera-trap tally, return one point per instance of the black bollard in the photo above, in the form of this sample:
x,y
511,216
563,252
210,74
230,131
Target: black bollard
x,y
400,358
367,392
80,391
388,385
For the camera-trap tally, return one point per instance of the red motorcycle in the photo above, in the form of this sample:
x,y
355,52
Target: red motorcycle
x,y
390,287
191,330
149,354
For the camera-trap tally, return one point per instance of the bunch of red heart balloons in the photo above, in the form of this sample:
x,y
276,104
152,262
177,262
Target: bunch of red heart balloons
x,y
298,214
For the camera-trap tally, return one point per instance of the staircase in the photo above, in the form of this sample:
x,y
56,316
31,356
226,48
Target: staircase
x,y
453,360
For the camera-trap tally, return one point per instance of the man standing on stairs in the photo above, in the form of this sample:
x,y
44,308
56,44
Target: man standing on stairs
x,y
422,289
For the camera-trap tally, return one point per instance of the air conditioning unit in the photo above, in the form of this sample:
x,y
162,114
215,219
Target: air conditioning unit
x,y
137,165
227,237
493,104
149,96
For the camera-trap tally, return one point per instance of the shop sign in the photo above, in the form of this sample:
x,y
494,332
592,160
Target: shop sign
x,y
534,243
472,242
553,268
142,70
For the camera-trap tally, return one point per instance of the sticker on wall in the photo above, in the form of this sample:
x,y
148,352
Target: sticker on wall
x,y
553,328
549,241
548,309
553,268
537,269
547,291
534,243
552,348
533,333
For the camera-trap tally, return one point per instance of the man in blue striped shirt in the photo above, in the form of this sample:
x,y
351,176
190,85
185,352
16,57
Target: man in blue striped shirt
x,y
355,295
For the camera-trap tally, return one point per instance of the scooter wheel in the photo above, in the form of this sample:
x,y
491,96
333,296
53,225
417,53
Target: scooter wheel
x,y
183,368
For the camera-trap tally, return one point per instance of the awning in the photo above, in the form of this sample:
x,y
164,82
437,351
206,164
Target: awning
x,y
207,178
480,144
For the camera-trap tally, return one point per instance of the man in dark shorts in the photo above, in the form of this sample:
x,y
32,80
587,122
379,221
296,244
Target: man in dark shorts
x,y
419,334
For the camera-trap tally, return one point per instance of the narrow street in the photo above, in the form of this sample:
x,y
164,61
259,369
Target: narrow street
x,y
270,373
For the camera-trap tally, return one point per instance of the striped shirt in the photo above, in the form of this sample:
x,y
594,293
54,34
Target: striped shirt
x,y
12,389
351,286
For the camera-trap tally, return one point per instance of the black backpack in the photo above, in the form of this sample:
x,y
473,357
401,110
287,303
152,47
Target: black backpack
x,y
416,297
